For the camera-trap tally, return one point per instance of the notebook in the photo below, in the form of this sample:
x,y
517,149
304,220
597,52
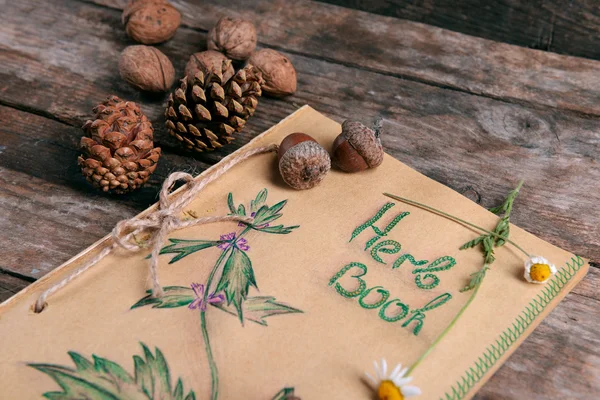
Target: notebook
x,y
302,303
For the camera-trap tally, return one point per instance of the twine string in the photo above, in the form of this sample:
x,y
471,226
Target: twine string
x,y
159,223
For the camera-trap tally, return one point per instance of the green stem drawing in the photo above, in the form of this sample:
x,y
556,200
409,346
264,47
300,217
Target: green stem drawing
x,y
452,217
227,291
214,372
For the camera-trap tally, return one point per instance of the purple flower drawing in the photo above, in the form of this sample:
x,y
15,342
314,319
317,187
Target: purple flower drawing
x,y
231,277
230,239
199,292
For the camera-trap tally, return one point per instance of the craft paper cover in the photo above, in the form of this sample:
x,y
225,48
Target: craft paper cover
x,y
320,296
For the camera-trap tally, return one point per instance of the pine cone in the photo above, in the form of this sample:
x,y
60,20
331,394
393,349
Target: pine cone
x,y
207,109
118,151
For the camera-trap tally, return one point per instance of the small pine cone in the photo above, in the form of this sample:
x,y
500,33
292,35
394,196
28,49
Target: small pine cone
x,y
206,110
208,61
118,149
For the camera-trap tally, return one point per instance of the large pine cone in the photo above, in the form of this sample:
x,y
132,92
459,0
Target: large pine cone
x,y
118,152
207,109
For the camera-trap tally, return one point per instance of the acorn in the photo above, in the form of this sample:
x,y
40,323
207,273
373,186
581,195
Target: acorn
x,y
358,148
303,163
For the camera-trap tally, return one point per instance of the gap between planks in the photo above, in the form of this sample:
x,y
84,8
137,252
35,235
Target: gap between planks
x,y
464,63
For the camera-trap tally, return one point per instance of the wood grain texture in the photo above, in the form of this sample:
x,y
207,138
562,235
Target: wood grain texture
x,y
494,143
10,285
60,60
562,354
49,209
410,50
565,27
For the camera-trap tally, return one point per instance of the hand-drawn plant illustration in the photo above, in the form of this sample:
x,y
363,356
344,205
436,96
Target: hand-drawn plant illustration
x,y
228,284
102,379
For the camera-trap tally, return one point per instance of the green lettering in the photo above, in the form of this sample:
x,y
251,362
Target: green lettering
x,y
410,258
361,286
447,263
427,286
433,267
401,306
384,296
380,247
370,223
419,315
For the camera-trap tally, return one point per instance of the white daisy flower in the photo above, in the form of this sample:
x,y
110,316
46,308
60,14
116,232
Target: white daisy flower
x,y
393,386
538,270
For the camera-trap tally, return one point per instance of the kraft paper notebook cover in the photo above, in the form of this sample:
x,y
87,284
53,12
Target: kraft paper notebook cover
x,y
305,326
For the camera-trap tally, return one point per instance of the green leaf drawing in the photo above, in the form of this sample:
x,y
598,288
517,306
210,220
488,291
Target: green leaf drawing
x,y
287,393
279,229
261,197
175,296
184,248
102,379
236,279
262,213
257,308
230,203
267,214
234,272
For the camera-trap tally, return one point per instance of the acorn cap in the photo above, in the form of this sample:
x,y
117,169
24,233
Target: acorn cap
x,y
303,163
365,141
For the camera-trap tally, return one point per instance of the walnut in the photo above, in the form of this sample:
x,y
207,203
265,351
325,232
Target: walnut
x,y
209,61
146,68
150,21
234,37
277,71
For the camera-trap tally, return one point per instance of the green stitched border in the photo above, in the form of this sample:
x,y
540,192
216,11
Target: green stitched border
x,y
494,352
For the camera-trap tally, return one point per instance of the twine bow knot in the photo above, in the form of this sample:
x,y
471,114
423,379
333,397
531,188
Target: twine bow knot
x,y
160,222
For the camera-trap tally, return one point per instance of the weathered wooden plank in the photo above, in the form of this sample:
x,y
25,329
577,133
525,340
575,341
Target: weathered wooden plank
x,y
45,224
10,285
445,134
48,211
563,27
73,66
47,149
560,360
411,50
590,285
456,138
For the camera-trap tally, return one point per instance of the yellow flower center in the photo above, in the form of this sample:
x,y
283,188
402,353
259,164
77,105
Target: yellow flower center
x,y
388,391
540,272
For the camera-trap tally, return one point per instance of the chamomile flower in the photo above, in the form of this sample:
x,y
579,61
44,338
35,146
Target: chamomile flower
x,y
393,386
538,270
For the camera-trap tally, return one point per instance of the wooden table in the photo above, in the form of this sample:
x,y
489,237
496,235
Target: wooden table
x,y
473,114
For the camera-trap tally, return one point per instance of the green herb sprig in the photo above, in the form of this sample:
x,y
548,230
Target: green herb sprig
x,y
488,241
497,238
